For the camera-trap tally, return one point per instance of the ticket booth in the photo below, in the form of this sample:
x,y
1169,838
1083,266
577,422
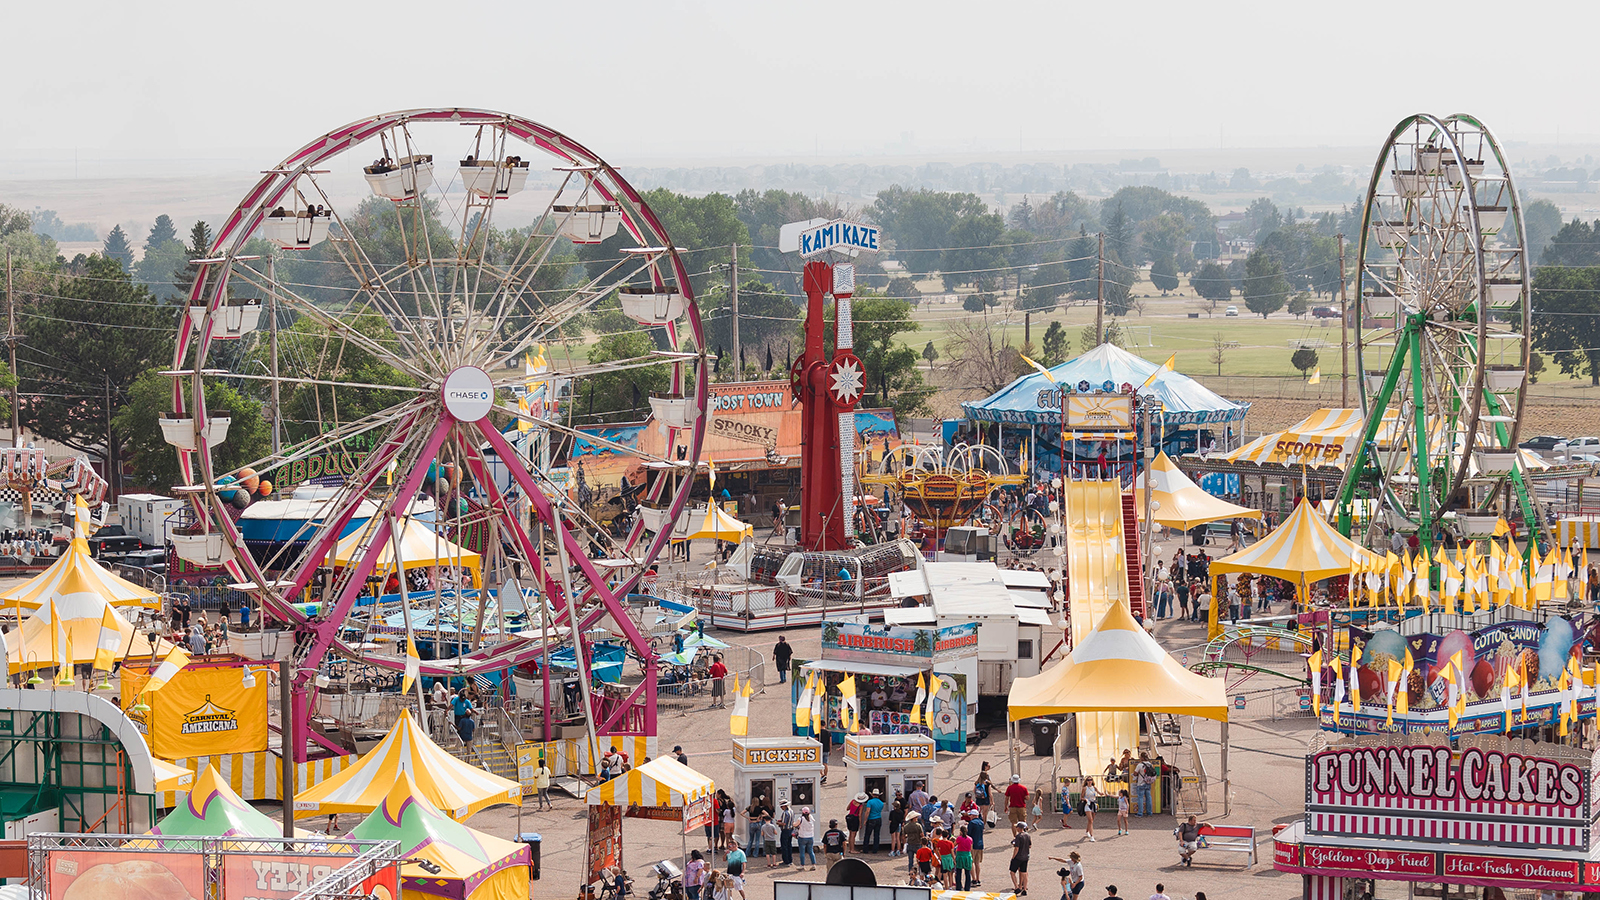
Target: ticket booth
x,y
780,768
887,763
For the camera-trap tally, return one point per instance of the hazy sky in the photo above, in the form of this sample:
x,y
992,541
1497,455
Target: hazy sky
x,y
647,81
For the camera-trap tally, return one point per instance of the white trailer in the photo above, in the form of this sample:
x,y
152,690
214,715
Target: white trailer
x,y
145,516
1012,632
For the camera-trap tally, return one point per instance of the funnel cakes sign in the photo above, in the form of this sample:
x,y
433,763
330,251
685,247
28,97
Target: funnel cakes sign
x,y
1489,791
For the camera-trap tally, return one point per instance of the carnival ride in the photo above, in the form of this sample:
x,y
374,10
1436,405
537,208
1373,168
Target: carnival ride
x,y
945,488
403,313
1442,336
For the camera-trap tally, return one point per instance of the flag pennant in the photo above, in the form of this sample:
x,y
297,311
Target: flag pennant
x,y
850,705
413,666
922,697
105,650
739,721
802,706
1315,664
174,662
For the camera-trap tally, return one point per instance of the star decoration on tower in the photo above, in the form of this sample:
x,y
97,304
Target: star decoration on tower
x,y
847,378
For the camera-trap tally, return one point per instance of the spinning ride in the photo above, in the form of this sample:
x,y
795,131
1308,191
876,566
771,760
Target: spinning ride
x,y
1442,338
946,488
410,340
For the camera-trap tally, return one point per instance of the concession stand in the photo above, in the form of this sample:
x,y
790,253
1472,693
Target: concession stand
x,y
781,768
887,763
1404,816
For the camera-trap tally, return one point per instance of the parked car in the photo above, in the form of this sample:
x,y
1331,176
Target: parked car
x,y
1231,311
1544,443
1325,312
113,541
1574,446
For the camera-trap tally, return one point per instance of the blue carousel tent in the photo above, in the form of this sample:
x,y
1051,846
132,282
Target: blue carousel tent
x,y
1032,399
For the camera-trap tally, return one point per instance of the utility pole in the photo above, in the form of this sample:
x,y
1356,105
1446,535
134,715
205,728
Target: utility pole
x,y
11,345
733,293
1344,334
1100,291
272,350
111,477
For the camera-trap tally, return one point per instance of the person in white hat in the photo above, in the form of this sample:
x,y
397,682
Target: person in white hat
x,y
1016,800
852,821
806,830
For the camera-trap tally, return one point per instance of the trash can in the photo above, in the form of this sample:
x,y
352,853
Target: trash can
x,y
1044,735
533,840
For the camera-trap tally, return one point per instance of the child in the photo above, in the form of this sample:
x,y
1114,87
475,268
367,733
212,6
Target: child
x,y
1122,811
1037,812
963,860
946,849
925,862
769,840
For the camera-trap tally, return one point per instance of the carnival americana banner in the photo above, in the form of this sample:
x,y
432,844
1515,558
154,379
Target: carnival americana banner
x,y
202,711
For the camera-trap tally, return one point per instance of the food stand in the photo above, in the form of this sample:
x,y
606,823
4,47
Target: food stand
x,y
783,768
1418,816
887,662
888,763
661,789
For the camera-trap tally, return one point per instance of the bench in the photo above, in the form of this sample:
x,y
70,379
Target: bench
x,y
1230,839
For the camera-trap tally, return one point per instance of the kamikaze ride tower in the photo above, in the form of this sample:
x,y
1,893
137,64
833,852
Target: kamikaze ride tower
x,y
828,389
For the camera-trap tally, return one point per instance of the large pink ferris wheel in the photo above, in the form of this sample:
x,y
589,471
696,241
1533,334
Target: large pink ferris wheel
x,y
420,339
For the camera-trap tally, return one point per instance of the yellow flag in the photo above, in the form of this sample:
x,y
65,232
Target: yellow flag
x,y
1395,687
1042,370
170,667
739,721
1314,664
850,705
1403,698
105,651
1316,376
413,666
1168,366
802,706
64,674
922,697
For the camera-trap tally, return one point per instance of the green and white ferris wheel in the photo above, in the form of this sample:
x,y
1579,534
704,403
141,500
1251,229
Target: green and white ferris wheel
x,y
1442,325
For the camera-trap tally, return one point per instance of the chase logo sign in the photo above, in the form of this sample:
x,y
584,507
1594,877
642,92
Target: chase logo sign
x,y
468,394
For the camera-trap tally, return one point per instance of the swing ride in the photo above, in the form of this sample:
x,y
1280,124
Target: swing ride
x,y
945,488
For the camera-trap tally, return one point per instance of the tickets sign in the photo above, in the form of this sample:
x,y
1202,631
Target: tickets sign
x,y
888,753
799,754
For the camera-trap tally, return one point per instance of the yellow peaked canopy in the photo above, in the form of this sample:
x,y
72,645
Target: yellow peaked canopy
x,y
420,547
659,782
33,646
1304,548
721,526
1180,503
457,788
77,572
1118,668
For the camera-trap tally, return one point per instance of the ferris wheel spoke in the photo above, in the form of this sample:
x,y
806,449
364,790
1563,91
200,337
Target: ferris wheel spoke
x,y
315,312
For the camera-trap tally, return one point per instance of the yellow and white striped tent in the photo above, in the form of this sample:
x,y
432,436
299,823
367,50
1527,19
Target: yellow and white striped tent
x,y
77,572
420,547
659,782
719,525
1301,550
1327,437
1118,668
34,645
1179,502
457,788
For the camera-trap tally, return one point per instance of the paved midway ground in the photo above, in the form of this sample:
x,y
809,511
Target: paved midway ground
x,y
1268,777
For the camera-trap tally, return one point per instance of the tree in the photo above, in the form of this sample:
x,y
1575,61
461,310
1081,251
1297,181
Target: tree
x,y
1219,350
199,247
1164,274
1576,244
1119,233
1535,367
923,223
1212,283
1261,218
1265,291
1566,317
92,337
930,353
972,254
116,248
1304,359
1047,284
979,303
152,459
161,232
1088,340
1082,265
1541,219
609,396
766,316
1055,347
903,288
1300,303
977,357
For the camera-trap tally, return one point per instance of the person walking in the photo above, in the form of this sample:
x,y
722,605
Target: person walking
x,y
911,840
782,653
541,784
1021,845
897,821
463,710
1161,892
980,791
1122,811
832,843
874,825
806,830
1016,801
1091,800
728,815
786,822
